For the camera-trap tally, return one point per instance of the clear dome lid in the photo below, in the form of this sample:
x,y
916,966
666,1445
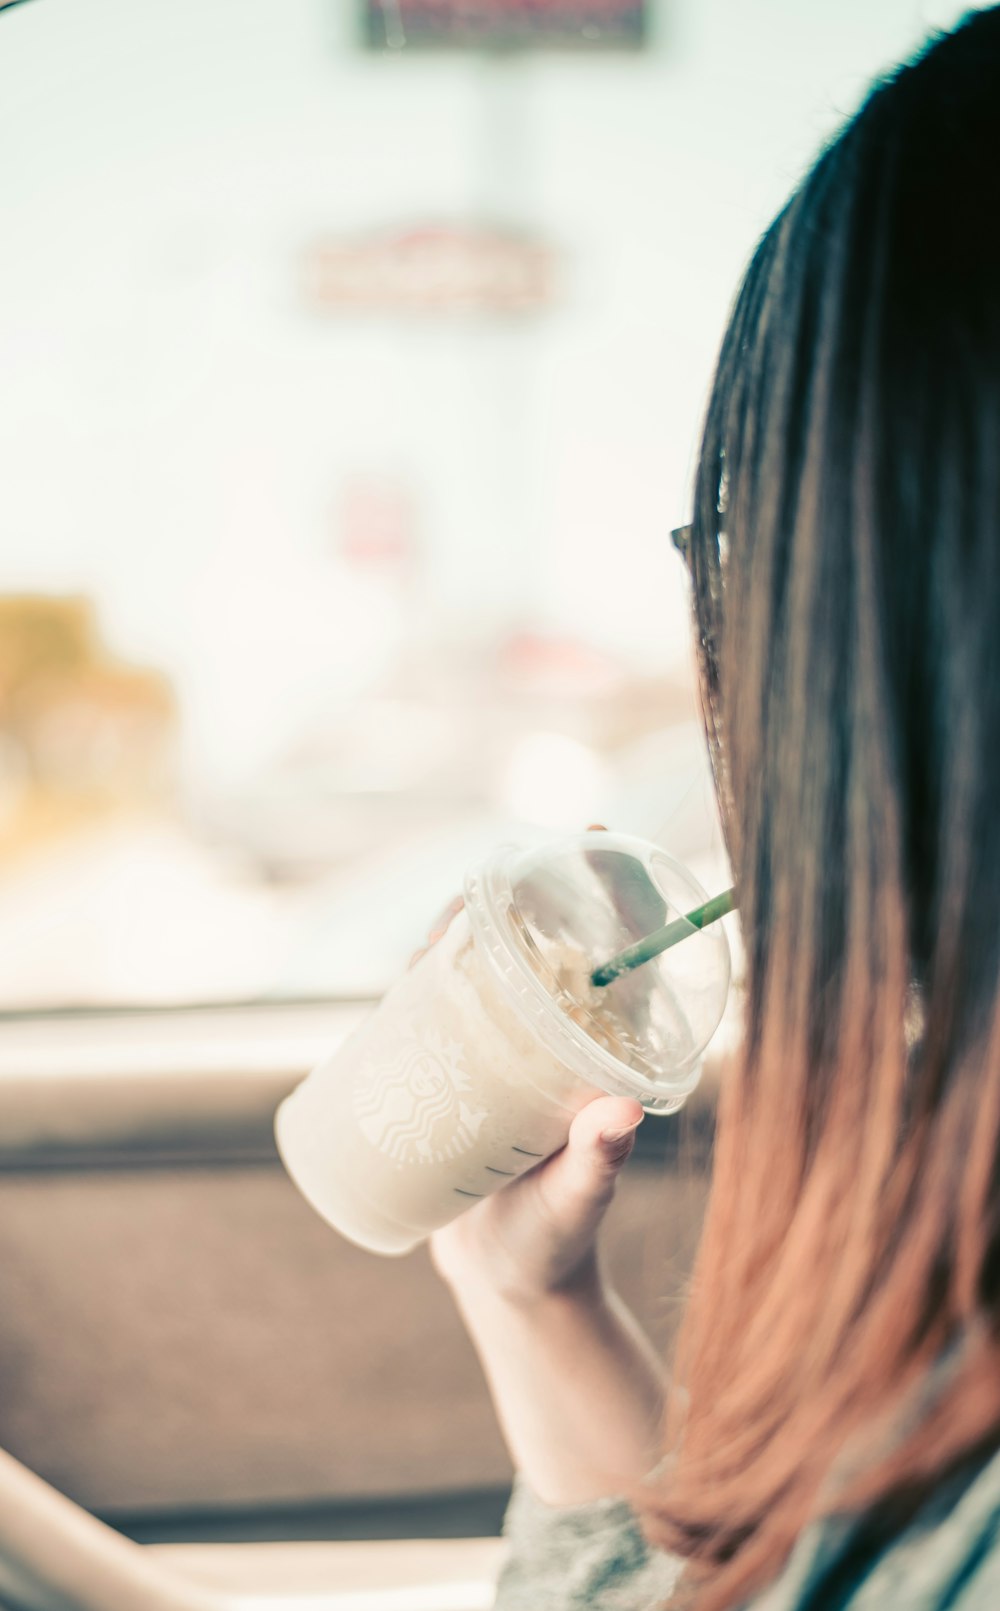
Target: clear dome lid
x,y
548,917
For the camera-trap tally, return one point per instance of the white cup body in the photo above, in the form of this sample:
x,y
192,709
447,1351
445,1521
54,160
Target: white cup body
x,y
443,1095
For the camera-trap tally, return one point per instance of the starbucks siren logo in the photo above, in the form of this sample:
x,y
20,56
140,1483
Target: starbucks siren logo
x,y
411,1106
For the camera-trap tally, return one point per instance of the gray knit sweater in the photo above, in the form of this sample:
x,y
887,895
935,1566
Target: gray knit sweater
x,y
594,1558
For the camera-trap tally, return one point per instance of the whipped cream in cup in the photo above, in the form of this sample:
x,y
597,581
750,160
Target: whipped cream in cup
x,y
471,1068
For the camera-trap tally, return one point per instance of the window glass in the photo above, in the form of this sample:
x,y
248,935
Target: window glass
x,y
349,394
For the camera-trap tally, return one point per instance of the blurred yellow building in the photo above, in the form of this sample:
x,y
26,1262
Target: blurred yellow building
x,y
82,733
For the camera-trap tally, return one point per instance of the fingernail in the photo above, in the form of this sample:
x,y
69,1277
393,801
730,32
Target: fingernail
x,y
614,1138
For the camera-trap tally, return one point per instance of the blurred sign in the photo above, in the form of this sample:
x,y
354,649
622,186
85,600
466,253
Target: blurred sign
x,y
505,24
471,269
376,520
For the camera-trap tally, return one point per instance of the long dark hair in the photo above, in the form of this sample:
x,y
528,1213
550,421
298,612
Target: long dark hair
x,y
842,1342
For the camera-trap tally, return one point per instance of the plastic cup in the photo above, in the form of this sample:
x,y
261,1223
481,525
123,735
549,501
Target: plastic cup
x,y
471,1069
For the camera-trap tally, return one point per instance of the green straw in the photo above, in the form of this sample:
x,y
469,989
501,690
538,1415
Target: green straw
x,y
645,950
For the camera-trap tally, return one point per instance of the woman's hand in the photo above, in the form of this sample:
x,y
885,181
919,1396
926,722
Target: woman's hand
x,y
538,1236
575,1382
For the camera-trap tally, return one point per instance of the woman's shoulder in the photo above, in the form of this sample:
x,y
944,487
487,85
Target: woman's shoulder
x,y
580,1557
949,1556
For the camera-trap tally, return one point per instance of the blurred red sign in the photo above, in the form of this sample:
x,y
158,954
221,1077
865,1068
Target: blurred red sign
x,y
432,269
505,24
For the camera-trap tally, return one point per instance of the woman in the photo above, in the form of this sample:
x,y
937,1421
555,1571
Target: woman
x,y
833,1436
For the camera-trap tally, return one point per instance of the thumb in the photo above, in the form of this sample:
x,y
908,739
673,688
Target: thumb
x,y
600,1140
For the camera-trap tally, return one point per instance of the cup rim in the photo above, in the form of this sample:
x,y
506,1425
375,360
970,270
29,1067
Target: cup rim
x,y
488,889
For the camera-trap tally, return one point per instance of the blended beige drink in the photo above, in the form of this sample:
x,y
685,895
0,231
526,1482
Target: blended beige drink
x,y
472,1067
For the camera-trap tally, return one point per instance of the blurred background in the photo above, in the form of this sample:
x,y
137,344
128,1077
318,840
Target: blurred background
x,y
353,358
